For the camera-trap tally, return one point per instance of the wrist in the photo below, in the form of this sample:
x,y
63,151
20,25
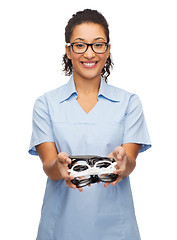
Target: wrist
x,y
130,166
52,171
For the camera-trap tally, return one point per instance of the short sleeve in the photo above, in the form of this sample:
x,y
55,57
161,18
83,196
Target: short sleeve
x,y
41,127
135,128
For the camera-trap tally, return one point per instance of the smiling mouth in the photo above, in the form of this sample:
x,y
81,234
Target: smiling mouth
x,y
89,64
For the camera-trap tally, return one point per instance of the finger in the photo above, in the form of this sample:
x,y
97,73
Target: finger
x,y
117,181
106,184
119,170
65,174
70,184
110,155
119,178
80,189
68,178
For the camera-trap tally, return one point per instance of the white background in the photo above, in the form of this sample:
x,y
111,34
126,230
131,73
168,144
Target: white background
x,y
144,49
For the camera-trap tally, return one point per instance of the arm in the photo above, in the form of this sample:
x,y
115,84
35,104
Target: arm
x,y
48,154
125,156
131,151
55,165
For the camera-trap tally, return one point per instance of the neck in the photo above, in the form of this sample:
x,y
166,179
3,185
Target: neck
x,y
87,86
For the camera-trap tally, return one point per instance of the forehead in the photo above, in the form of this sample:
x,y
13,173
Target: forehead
x,y
88,32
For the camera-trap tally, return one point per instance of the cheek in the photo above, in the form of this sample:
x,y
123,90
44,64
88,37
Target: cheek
x,y
103,60
75,59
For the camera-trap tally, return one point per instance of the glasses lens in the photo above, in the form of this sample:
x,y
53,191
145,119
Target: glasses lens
x,y
100,47
79,47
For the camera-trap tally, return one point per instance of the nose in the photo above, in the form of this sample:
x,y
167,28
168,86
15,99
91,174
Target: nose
x,y
89,53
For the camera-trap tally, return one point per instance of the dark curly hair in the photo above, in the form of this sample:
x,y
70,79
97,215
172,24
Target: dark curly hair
x,y
80,17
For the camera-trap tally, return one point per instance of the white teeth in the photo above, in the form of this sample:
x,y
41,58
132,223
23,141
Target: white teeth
x,y
89,64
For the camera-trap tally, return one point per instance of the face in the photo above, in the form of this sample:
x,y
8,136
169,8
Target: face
x,y
88,65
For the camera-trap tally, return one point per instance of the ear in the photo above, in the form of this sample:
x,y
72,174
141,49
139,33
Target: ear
x,y
68,52
108,51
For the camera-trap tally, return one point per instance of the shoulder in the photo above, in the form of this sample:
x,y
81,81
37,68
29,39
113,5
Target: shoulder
x,y
121,94
126,99
49,100
52,95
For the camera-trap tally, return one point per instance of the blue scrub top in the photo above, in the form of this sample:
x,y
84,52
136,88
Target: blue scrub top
x,y
97,212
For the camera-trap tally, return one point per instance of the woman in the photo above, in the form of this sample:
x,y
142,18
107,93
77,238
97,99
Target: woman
x,y
87,116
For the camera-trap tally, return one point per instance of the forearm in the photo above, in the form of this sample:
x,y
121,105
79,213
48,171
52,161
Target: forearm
x,y
132,150
49,157
55,165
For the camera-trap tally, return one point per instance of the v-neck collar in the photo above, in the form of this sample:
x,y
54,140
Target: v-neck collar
x,y
107,91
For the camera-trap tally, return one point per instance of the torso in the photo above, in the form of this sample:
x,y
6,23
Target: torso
x,y
100,212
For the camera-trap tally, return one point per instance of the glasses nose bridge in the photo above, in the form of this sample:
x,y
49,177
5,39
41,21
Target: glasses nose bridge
x,y
91,46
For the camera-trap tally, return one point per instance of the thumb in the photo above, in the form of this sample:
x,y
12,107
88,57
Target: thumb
x,y
64,158
119,153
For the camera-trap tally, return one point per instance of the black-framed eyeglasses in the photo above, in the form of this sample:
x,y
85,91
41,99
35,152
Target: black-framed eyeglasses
x,y
80,47
91,169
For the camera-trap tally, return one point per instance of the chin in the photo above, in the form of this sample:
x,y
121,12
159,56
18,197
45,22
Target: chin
x,y
91,76
88,74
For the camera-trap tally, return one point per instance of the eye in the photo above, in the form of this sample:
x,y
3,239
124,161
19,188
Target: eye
x,y
99,45
79,45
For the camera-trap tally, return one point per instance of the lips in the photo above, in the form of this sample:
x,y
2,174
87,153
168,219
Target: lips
x,y
90,64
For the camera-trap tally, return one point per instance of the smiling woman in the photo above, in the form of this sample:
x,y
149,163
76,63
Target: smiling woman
x,y
91,37
89,17
89,117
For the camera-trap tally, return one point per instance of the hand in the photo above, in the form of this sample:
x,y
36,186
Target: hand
x,y
63,161
119,154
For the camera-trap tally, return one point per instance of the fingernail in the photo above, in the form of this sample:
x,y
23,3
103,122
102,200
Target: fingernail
x,y
68,160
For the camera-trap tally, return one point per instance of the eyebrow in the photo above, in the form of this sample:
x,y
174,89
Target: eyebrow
x,y
81,39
